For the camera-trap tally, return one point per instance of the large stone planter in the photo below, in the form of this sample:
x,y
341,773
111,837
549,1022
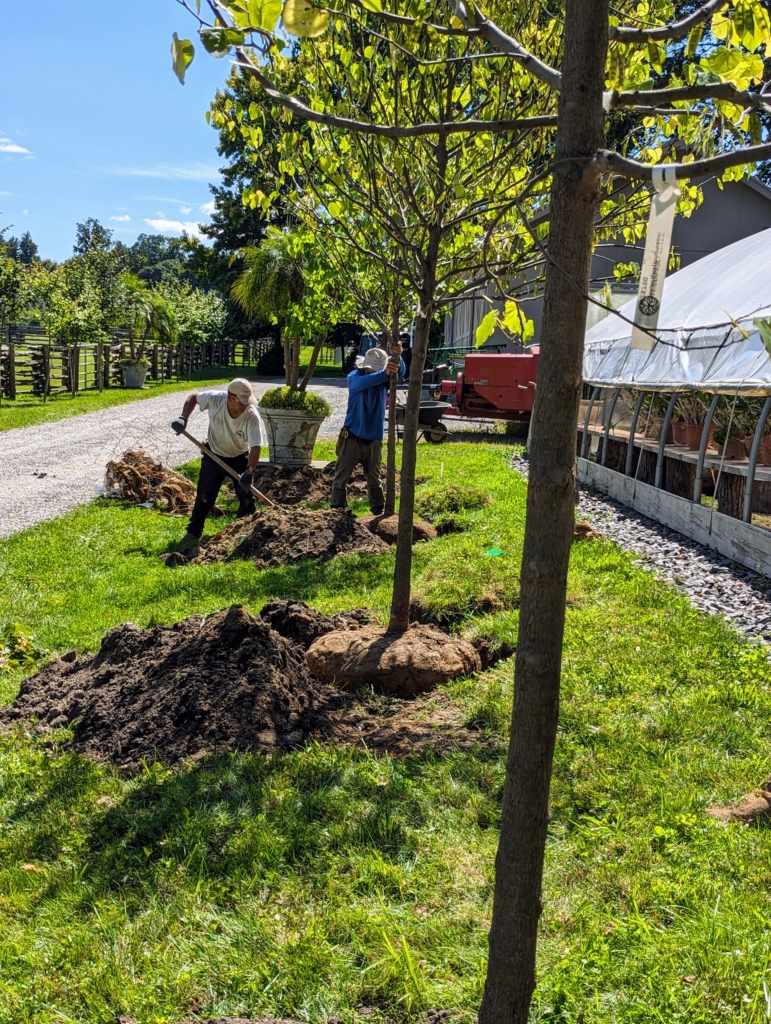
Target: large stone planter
x,y
291,435
134,375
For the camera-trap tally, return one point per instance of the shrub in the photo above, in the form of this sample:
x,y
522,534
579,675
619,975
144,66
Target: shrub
x,y
301,401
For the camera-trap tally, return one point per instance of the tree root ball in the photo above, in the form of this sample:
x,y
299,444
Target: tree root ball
x,y
755,806
402,664
387,528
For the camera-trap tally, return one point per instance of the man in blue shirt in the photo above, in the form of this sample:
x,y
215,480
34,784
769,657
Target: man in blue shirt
x,y
361,439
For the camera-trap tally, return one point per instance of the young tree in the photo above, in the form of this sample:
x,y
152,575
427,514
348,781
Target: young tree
x,y
604,67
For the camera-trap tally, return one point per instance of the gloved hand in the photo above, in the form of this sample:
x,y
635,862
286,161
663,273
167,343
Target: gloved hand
x,y
246,479
179,424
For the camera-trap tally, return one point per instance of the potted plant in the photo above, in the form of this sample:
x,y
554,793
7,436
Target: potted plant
x,y
285,282
728,447
654,409
691,411
138,316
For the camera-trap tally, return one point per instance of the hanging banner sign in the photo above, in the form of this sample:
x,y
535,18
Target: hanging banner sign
x,y
656,258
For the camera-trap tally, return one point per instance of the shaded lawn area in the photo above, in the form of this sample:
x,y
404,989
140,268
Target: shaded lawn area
x,y
29,410
309,883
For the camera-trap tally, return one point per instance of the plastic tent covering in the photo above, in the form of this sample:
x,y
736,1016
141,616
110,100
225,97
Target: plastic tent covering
x,y
705,339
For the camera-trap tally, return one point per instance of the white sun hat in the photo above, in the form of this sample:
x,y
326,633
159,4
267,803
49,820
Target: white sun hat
x,y
375,359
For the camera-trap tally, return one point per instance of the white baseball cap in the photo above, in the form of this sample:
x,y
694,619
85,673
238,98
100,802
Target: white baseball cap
x,y
241,389
375,359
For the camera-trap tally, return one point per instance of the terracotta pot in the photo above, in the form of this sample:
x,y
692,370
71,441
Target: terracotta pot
x,y
733,449
657,422
693,432
679,432
765,450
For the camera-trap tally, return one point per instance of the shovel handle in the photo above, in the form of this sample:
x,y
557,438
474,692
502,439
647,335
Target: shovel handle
x,y
228,470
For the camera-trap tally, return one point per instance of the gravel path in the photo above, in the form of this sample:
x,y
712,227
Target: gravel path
x,y
49,469
713,583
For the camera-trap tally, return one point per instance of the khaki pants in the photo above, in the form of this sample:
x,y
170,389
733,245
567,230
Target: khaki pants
x,y
368,455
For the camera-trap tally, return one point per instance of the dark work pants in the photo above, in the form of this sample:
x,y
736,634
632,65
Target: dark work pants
x,y
209,482
368,455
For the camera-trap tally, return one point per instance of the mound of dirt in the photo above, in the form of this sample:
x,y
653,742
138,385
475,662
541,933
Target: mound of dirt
x,y
294,485
403,664
272,538
585,531
207,686
139,479
754,807
387,528
297,621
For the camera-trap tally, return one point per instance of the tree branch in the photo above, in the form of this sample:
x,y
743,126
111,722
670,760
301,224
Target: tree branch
x,y
712,91
675,30
490,32
296,106
607,160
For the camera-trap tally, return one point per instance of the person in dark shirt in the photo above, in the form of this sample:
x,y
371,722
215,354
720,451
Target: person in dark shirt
x,y
361,439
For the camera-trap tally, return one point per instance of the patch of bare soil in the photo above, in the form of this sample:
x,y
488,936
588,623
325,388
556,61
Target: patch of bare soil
x,y
271,538
294,485
754,807
213,685
387,528
302,624
138,479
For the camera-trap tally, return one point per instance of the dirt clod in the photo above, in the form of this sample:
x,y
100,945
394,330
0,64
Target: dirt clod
x,y
585,531
297,621
137,478
272,538
387,528
756,806
214,685
403,664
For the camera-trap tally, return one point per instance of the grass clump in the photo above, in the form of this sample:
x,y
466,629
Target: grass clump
x,y
447,507
306,884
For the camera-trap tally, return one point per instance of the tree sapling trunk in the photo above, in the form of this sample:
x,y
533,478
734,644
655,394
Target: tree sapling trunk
x,y
549,525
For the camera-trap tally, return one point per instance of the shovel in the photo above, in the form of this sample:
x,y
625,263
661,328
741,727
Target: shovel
x,y
231,472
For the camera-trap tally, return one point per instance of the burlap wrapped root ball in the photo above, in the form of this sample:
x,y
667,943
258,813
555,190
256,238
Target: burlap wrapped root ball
x,y
402,664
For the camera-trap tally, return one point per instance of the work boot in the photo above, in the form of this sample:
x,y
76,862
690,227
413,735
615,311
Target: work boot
x,y
189,541
377,511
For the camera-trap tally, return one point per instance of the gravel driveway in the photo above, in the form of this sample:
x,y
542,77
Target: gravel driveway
x,y
49,469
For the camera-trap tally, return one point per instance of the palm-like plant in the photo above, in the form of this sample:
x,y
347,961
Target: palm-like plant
x,y
270,285
136,300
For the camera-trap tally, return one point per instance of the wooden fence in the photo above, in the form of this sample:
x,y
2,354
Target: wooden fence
x,y
31,363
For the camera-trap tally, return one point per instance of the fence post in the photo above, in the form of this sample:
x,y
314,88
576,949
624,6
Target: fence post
x,y
11,367
99,367
46,370
74,368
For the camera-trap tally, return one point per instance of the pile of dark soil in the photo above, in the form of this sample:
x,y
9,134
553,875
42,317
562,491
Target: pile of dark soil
x,y
297,621
208,686
138,479
294,485
271,538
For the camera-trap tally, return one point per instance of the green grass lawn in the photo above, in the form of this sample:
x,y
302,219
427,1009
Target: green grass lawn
x,y
308,883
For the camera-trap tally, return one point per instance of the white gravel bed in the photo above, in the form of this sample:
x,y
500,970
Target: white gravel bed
x,y
713,583
49,469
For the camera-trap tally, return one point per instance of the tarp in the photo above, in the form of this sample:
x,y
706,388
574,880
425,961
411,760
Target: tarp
x,y
705,339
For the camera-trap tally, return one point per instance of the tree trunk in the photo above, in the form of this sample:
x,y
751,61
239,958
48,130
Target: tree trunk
x,y
295,355
549,525
320,338
390,499
400,602
287,361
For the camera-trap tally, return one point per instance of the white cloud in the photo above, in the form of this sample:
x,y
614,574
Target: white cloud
x,y
193,172
123,219
185,209
25,212
175,227
208,208
7,146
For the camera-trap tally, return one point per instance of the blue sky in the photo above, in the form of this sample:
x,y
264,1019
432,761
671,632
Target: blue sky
x,y
93,122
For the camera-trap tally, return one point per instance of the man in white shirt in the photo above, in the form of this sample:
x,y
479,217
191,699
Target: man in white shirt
x,y
234,435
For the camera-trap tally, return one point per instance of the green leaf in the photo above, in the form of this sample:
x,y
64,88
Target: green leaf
x,y
301,19
219,40
694,38
514,320
487,326
763,327
754,128
264,14
372,5
335,208
182,53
